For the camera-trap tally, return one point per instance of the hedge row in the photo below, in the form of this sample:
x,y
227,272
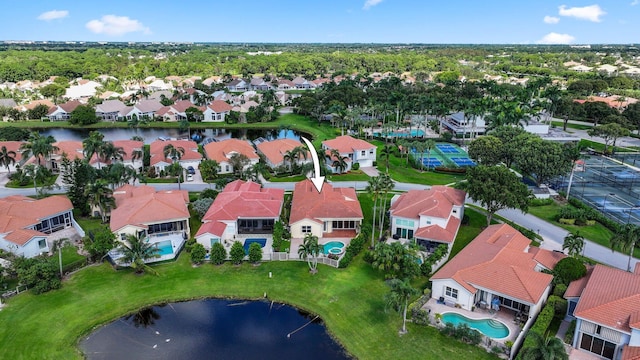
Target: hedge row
x,y
597,216
555,307
354,248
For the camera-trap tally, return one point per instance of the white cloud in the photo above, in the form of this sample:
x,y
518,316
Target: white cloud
x,y
371,3
635,2
551,19
53,14
555,38
116,25
590,13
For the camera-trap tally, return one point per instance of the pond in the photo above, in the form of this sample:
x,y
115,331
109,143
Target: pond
x,y
149,135
214,329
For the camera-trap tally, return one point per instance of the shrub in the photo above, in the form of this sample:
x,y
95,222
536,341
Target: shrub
x,y
255,253
567,270
354,248
559,290
201,206
541,202
278,232
236,253
559,307
355,166
198,252
567,221
568,336
189,245
39,273
218,254
208,194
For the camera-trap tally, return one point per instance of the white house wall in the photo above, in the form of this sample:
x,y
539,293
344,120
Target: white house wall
x,y
28,250
465,298
296,228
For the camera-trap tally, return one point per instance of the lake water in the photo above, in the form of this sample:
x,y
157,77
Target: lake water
x,y
149,135
214,329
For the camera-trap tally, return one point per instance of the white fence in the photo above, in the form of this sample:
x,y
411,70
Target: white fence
x,y
283,256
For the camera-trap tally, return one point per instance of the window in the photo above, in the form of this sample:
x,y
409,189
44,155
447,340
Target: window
x,y
451,292
363,153
42,243
306,229
371,152
123,236
598,346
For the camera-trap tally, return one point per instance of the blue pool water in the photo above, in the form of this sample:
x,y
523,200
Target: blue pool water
x,y
333,247
248,242
166,248
488,327
413,133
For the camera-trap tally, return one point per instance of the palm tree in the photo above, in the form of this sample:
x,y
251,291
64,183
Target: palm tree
x,y
138,154
386,154
100,195
92,144
386,185
108,152
136,251
373,188
310,250
172,152
34,172
339,162
574,243
398,298
544,348
38,146
288,157
428,146
7,158
626,239
420,147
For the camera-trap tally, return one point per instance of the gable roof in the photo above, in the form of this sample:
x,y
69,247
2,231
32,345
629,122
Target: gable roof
x,y
18,212
156,149
275,150
347,144
182,105
69,106
73,149
150,105
143,205
222,151
497,259
610,298
219,106
109,106
330,203
436,202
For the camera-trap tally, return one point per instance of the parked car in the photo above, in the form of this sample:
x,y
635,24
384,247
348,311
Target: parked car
x,y
189,177
191,170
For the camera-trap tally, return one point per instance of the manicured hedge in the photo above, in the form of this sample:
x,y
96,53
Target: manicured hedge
x,y
354,248
544,320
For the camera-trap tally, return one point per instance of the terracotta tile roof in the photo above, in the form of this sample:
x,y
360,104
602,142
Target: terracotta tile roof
x,y
213,227
498,260
143,205
275,150
18,212
148,105
32,105
73,149
330,203
222,151
156,149
610,298
182,105
437,202
630,353
576,287
244,200
219,106
634,320
546,258
13,146
347,144
438,233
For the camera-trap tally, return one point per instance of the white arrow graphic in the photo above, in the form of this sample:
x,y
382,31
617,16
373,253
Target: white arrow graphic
x,y
317,180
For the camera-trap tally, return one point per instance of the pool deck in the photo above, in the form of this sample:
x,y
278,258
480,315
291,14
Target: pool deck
x,y
505,316
296,242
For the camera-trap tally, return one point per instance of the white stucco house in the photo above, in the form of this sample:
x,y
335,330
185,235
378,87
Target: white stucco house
x,y
223,151
352,150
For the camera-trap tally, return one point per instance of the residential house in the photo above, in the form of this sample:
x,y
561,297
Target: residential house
x,y
161,217
242,209
110,110
28,227
459,124
33,104
606,306
159,85
222,151
498,269
130,148
284,84
217,110
275,152
258,83
144,109
62,112
191,156
69,148
238,85
19,160
330,213
302,83
176,111
431,217
82,89
354,150
212,80
8,103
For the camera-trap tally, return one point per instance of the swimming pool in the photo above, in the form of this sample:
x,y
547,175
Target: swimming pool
x,y
333,247
248,242
488,327
166,247
413,133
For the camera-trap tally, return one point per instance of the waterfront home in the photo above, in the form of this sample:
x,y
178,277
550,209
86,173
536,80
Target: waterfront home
x,y
242,210
19,160
606,306
190,157
62,112
132,156
144,109
176,111
110,110
217,110
499,270
431,217
238,85
332,212
223,151
29,227
351,150
280,153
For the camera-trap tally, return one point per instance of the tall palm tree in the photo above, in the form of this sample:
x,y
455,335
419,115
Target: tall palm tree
x,y
108,152
420,147
428,146
138,154
544,348
310,250
574,243
35,173
92,144
386,154
373,188
172,152
288,157
136,251
339,162
100,195
38,146
386,185
7,158
626,239
398,298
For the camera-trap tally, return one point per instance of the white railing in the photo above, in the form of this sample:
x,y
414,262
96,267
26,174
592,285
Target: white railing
x,y
283,256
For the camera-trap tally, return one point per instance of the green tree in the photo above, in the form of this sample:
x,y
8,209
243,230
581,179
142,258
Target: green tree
x,y
395,260
544,348
100,196
201,206
626,239
512,138
238,162
38,112
386,153
543,160
41,147
99,242
486,150
92,144
568,270
109,153
218,254
237,252
339,162
398,298
76,176
255,253
309,250
574,243
7,158
373,188
83,115
53,91
610,133
386,185
496,188
40,273
36,174
136,251
209,170
198,252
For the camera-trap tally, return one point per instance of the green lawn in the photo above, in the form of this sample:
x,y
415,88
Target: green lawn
x,y
70,255
355,175
294,178
350,301
559,125
48,182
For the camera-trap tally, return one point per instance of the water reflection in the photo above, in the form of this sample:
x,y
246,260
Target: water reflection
x,y
214,329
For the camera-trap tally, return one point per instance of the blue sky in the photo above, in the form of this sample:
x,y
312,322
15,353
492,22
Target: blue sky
x,y
321,21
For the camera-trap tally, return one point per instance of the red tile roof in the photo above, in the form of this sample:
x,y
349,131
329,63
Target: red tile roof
x,y
73,149
222,151
347,144
546,258
438,233
18,212
243,200
156,149
576,287
69,106
437,202
330,203
275,150
498,260
219,106
630,353
610,298
142,205
182,105
13,146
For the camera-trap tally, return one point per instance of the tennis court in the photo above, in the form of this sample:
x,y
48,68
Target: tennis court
x,y
431,162
463,161
447,149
